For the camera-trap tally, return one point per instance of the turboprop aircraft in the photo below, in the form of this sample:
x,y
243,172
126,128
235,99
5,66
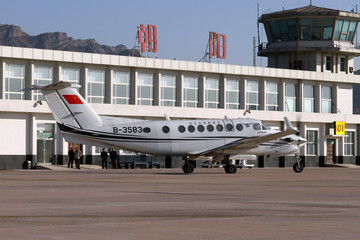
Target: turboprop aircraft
x,y
193,139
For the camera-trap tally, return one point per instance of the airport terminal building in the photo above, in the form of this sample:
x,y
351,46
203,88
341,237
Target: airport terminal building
x,y
309,79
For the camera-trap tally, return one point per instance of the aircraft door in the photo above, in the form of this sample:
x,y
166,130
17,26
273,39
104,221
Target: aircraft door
x,y
229,125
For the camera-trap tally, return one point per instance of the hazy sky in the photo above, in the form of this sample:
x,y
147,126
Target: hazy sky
x,y
183,25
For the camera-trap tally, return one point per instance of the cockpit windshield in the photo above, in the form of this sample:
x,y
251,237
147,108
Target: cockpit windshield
x,y
265,127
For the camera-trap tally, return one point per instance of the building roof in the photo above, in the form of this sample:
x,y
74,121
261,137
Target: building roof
x,y
308,11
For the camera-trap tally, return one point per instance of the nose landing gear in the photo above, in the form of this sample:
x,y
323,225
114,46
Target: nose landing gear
x,y
298,167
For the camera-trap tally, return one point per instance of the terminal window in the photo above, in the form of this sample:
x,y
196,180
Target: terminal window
x,y
349,143
271,96
121,87
309,98
326,99
190,91
311,144
232,94
211,92
291,97
252,95
96,86
145,89
42,75
14,81
168,90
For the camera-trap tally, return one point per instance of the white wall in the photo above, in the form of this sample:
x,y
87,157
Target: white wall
x,y
15,132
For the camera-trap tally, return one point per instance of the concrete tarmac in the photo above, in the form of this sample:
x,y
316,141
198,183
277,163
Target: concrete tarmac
x,y
320,203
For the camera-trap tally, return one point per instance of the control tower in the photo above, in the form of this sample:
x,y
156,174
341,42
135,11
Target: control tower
x,y
311,38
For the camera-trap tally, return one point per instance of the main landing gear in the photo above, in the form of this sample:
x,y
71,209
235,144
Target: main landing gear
x,y
298,167
229,168
188,167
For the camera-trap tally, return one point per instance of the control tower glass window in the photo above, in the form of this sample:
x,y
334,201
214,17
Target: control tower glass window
x,y
315,29
212,93
168,90
344,30
14,81
96,86
305,28
42,75
145,89
283,30
232,94
121,87
252,95
190,91
290,97
328,27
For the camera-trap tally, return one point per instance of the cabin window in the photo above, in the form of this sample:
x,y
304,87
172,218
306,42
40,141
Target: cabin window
x,y
256,126
239,127
200,128
210,128
219,127
181,128
191,128
146,130
229,127
165,129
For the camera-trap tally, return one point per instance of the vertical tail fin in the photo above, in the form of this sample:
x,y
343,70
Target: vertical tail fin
x,y
68,106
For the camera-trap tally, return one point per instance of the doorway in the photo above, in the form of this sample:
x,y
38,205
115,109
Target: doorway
x,y
331,151
45,143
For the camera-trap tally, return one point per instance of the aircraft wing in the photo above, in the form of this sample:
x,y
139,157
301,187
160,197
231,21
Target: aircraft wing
x,y
253,142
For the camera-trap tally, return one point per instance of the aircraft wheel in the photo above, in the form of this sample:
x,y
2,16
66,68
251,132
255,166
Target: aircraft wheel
x,y
229,168
188,168
298,167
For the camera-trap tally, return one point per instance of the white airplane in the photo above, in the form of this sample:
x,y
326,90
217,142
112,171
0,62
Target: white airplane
x,y
222,139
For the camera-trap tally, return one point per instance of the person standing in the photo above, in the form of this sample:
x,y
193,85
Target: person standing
x,y
77,156
113,157
71,157
104,156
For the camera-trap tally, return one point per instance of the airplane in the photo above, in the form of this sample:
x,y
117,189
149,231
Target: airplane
x,y
219,139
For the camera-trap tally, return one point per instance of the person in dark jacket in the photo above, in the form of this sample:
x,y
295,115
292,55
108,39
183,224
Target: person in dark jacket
x,y
113,157
71,155
104,156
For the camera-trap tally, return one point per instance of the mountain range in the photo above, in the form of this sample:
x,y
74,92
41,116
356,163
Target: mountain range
x,y
11,35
